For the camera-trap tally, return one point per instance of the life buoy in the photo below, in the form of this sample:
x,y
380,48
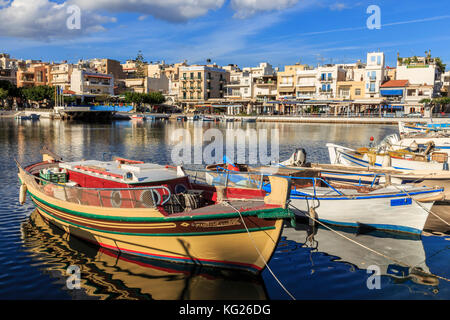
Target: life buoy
x,y
116,199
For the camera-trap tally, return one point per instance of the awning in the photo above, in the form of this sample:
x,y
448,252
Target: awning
x,y
396,92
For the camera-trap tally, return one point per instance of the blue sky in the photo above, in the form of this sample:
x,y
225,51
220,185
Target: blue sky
x,y
243,32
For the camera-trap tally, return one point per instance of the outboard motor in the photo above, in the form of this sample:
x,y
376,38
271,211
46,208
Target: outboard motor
x,y
297,159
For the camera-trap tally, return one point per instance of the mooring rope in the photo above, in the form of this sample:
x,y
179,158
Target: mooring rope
x,y
369,249
257,250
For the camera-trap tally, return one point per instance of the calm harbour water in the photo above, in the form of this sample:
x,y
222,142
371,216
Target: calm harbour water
x,y
321,265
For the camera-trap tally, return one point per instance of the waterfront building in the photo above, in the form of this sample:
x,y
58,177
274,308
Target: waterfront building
x,y
423,71
105,66
307,83
200,83
8,75
445,90
353,86
390,73
240,85
61,75
375,74
91,84
287,81
34,73
327,78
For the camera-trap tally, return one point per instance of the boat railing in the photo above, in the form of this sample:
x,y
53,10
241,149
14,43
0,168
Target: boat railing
x,y
139,197
228,178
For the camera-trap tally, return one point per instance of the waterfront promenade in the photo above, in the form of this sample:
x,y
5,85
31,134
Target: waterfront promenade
x,y
355,119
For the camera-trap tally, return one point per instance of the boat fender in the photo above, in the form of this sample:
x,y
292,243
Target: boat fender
x,y
386,161
22,194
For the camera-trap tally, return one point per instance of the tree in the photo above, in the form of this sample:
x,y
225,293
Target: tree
x,y
39,94
3,96
140,65
441,66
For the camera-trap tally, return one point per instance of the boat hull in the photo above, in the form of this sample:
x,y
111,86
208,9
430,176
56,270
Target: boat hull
x,y
201,239
384,212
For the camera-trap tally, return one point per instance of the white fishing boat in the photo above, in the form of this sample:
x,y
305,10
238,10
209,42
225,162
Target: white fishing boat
x,y
402,208
406,127
399,159
439,142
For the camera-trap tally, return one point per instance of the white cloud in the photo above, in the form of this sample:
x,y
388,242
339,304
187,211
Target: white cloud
x,y
45,20
245,8
171,10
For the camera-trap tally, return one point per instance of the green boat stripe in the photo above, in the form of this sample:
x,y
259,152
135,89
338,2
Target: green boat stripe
x,y
160,234
277,213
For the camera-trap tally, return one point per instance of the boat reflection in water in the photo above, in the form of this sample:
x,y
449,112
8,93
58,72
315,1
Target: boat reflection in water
x,y
107,275
407,251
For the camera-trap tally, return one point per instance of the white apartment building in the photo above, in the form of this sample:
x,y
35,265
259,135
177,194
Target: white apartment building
x,y
374,74
327,77
61,75
87,83
240,85
251,83
307,84
422,74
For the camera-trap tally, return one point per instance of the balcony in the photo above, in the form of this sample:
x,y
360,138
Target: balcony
x,y
235,84
290,84
95,83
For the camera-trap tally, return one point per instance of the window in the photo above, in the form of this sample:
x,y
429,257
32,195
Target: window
x,y
192,75
378,60
372,58
357,92
199,75
322,77
329,76
184,95
372,87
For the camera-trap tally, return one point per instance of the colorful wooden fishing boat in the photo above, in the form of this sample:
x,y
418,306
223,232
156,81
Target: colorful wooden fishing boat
x,y
156,212
402,208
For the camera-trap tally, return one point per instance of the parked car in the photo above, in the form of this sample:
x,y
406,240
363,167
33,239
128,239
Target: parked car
x,y
414,115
